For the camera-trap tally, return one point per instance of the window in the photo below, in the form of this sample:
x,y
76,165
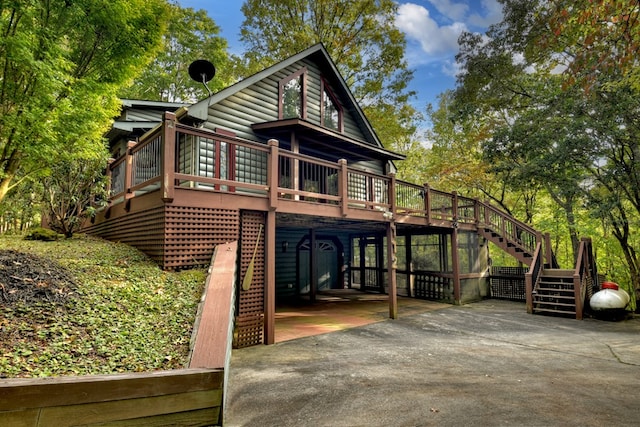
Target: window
x,y
292,96
331,112
292,99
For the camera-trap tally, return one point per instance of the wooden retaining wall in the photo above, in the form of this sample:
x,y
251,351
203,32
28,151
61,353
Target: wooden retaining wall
x,y
182,397
186,397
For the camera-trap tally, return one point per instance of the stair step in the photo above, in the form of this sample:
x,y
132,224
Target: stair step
x,y
545,280
556,284
558,272
555,304
545,289
551,311
540,297
552,278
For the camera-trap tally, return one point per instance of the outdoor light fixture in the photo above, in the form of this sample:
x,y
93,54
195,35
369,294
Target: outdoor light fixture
x,y
285,246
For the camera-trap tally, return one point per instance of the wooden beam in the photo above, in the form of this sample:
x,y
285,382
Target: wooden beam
x,y
392,267
313,265
343,186
213,334
168,156
455,259
270,279
272,173
20,394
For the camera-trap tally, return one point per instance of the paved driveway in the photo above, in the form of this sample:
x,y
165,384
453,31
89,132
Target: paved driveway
x,y
482,364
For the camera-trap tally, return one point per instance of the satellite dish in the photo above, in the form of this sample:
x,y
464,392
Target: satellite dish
x,y
202,71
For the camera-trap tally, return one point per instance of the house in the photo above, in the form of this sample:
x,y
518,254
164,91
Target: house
x,y
286,163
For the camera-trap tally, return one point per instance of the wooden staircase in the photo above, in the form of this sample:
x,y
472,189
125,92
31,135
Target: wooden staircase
x,y
513,248
555,293
549,289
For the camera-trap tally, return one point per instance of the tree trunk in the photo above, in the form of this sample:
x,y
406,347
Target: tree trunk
x,y
621,233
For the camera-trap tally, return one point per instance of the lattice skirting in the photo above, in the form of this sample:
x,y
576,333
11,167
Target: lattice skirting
x,y
250,319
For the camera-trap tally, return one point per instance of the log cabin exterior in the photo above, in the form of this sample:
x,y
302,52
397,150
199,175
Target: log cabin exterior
x,y
286,163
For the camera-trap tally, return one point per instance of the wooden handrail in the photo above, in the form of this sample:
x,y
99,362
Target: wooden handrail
x,y
519,233
532,276
585,270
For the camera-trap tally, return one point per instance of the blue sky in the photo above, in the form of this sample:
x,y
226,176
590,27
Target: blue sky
x,y
431,27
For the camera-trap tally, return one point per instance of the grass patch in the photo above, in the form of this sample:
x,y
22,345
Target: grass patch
x,y
120,311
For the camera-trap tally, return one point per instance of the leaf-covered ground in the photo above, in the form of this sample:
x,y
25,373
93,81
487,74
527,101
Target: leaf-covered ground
x,y
87,306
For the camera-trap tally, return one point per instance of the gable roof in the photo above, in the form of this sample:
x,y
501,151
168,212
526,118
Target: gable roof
x,y
319,55
138,116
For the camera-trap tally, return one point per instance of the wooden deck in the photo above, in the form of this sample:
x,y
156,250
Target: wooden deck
x,y
150,184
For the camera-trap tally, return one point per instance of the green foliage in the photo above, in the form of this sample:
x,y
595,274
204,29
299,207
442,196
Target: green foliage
x,y
42,234
597,41
191,35
547,134
126,314
61,64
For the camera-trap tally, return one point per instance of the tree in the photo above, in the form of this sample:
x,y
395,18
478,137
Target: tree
x,y
361,38
70,191
593,39
191,35
61,64
580,145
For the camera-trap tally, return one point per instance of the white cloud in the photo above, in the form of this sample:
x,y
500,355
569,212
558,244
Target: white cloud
x,y
451,68
491,14
415,21
453,11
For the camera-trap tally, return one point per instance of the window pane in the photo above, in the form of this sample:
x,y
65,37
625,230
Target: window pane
x,y
331,112
292,99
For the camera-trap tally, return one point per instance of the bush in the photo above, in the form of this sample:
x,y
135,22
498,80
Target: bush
x,y
42,234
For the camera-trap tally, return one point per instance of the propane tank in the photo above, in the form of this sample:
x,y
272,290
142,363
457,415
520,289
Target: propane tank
x,y
609,298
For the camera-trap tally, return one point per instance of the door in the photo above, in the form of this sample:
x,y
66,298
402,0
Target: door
x,y
327,264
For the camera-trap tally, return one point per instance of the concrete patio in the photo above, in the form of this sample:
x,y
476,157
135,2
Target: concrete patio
x,y
483,364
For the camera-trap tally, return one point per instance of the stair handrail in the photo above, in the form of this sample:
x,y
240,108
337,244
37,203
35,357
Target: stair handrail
x,y
584,275
532,277
518,233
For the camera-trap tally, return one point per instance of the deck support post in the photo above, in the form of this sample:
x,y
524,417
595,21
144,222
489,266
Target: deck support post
x,y
455,259
168,156
409,260
392,266
313,265
456,266
270,278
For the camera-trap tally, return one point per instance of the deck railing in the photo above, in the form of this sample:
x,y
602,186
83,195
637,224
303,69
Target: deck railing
x,y
532,277
308,179
176,155
517,233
